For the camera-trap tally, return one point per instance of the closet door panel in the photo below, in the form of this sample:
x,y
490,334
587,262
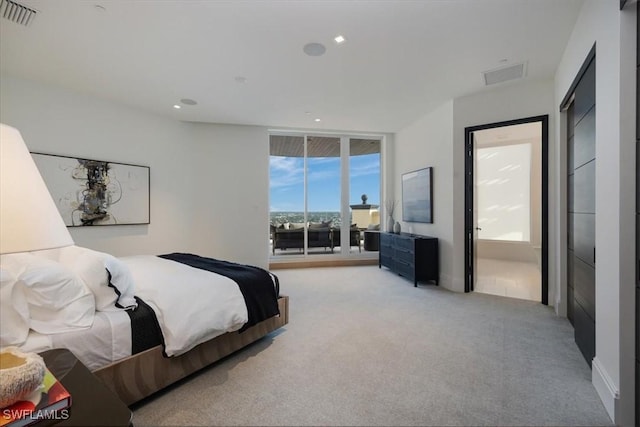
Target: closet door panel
x,y
583,194
585,93
585,140
581,218
585,286
570,258
585,333
584,237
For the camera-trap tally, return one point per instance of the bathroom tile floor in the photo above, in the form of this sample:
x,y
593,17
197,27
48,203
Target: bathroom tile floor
x,y
509,279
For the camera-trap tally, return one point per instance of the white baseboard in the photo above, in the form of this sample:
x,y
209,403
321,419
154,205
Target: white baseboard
x,y
605,387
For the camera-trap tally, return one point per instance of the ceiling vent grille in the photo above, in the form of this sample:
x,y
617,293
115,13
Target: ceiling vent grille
x,y
504,74
15,12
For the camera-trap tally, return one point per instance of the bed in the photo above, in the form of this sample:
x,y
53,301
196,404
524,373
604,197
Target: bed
x,y
139,323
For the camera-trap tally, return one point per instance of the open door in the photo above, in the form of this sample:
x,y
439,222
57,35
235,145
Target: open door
x,y
470,207
476,227
511,217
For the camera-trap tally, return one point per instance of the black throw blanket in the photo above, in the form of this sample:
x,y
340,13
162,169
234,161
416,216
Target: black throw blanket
x,y
257,288
145,329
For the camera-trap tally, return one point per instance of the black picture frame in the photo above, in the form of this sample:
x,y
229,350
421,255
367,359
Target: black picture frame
x,y
417,196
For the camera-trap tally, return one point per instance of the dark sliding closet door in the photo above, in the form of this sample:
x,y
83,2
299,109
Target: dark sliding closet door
x,y
581,215
638,220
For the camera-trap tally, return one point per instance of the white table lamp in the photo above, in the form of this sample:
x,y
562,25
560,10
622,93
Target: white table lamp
x,y
29,218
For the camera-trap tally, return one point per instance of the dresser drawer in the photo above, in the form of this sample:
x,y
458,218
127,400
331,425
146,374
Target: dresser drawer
x,y
386,239
387,261
403,243
386,247
405,269
405,255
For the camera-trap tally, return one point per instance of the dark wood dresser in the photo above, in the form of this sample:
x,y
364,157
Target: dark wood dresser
x,y
412,256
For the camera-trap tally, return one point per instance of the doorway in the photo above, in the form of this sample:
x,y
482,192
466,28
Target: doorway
x,y
506,208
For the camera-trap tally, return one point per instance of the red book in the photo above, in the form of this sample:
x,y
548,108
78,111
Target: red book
x,y
51,401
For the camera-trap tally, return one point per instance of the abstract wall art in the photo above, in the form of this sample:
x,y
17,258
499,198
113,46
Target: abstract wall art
x,y
417,196
94,192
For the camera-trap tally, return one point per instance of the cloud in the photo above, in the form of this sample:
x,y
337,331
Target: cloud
x,y
285,171
322,168
371,167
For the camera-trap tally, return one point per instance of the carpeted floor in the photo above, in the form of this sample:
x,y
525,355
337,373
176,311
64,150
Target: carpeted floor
x,y
364,347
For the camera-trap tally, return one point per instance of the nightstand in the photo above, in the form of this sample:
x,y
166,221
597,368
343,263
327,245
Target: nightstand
x,y
92,403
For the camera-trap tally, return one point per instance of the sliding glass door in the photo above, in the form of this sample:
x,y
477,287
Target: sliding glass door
x,y
310,181
323,188
364,200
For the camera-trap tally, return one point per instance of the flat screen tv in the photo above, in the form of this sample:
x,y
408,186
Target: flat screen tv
x,y
417,195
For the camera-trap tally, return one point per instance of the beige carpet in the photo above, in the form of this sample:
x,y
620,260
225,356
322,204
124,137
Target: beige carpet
x,y
364,347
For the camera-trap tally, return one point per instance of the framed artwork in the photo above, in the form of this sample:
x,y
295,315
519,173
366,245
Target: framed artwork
x,y
417,196
96,192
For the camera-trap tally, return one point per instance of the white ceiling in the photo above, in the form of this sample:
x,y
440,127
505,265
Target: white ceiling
x,y
401,58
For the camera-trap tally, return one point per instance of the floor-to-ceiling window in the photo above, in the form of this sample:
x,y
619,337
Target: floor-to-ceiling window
x,y
364,182
324,193
286,171
323,185
364,194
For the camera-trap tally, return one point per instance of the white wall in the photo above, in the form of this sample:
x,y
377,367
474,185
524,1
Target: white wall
x,y
232,202
507,102
601,23
208,182
428,142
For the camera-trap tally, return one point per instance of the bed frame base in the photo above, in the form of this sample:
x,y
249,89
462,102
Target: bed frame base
x,y
142,374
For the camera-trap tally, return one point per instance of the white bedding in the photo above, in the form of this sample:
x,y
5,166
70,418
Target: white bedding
x,y
192,305
106,341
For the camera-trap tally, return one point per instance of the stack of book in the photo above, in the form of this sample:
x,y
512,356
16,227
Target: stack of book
x,y
51,401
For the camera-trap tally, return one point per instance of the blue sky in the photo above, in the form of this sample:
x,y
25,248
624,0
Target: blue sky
x,y
287,181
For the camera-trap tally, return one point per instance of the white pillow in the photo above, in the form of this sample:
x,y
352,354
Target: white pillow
x,y
121,280
14,310
108,278
58,300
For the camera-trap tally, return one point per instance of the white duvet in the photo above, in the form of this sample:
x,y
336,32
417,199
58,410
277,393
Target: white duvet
x,y
192,305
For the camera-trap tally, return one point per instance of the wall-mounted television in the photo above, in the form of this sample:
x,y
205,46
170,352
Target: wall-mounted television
x,y
417,195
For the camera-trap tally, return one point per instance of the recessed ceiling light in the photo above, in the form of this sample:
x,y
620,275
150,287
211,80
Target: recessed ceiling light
x,y
187,101
316,120
176,106
340,39
314,49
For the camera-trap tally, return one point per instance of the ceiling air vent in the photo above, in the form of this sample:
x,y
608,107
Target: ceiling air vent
x,y
15,12
504,74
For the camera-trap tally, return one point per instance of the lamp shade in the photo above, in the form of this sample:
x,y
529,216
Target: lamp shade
x,y
29,219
